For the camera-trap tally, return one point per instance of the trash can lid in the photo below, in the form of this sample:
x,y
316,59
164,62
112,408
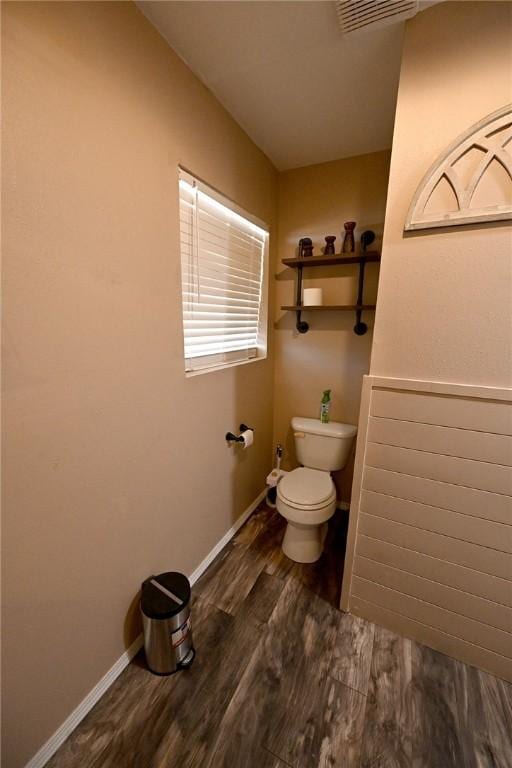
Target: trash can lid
x,y
165,595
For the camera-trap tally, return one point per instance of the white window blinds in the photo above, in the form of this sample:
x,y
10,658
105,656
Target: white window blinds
x,y
222,265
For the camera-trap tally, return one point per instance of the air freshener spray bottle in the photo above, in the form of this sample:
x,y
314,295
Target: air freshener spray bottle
x,y
325,406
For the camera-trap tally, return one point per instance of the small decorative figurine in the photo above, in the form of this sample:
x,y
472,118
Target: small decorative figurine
x,y
305,247
329,249
349,245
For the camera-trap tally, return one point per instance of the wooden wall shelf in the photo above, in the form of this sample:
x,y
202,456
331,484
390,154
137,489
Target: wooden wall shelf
x,y
336,307
337,259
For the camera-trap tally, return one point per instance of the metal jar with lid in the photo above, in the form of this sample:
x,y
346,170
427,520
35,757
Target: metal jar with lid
x,y
165,608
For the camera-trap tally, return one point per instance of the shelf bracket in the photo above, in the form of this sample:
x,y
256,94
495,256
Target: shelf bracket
x,y
301,325
360,328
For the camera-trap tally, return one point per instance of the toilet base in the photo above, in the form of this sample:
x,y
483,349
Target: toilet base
x,y
304,543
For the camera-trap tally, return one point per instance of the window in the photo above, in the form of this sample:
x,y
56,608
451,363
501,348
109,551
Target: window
x,y
223,269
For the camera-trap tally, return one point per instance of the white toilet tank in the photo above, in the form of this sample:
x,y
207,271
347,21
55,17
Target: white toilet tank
x,y
322,446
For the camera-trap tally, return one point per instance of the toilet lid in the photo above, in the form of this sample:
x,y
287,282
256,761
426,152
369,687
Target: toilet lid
x,y
306,487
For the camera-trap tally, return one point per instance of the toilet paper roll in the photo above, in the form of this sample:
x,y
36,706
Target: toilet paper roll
x,y
312,297
248,437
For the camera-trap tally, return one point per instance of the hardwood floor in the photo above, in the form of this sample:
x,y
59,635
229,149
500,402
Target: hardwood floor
x,y
283,679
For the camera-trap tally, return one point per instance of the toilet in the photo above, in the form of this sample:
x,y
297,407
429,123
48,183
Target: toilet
x,y
306,497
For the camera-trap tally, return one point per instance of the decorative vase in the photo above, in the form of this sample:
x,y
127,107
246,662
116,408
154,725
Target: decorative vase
x,y
349,245
329,249
305,247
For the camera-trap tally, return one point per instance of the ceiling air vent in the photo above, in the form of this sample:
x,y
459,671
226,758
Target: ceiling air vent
x,y
360,15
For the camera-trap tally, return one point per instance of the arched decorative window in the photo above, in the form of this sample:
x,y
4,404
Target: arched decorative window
x,y
471,181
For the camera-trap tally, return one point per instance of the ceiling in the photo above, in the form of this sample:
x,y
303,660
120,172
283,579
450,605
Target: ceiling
x,y
304,93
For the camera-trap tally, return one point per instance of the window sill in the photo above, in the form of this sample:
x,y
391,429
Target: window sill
x,y
223,366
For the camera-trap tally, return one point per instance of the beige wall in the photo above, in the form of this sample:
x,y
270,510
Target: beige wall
x,y
105,480
315,201
445,300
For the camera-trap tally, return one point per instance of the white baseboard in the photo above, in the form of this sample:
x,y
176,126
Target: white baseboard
x,y
78,714
210,557
68,726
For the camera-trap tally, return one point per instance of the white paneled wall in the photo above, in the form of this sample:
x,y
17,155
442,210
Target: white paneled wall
x,y
429,551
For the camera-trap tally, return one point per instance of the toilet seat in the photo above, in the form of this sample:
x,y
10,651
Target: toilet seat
x,y
306,496
307,489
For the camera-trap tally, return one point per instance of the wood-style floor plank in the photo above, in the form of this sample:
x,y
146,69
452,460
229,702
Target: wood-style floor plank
x,y
386,738
352,653
262,599
485,708
268,544
434,725
230,578
339,734
255,525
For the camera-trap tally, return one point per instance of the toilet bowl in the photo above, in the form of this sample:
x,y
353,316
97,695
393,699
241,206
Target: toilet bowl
x,y
306,497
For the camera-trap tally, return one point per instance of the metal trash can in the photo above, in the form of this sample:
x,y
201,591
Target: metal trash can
x,y
165,608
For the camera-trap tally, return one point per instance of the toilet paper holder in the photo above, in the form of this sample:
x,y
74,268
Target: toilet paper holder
x,y
231,438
